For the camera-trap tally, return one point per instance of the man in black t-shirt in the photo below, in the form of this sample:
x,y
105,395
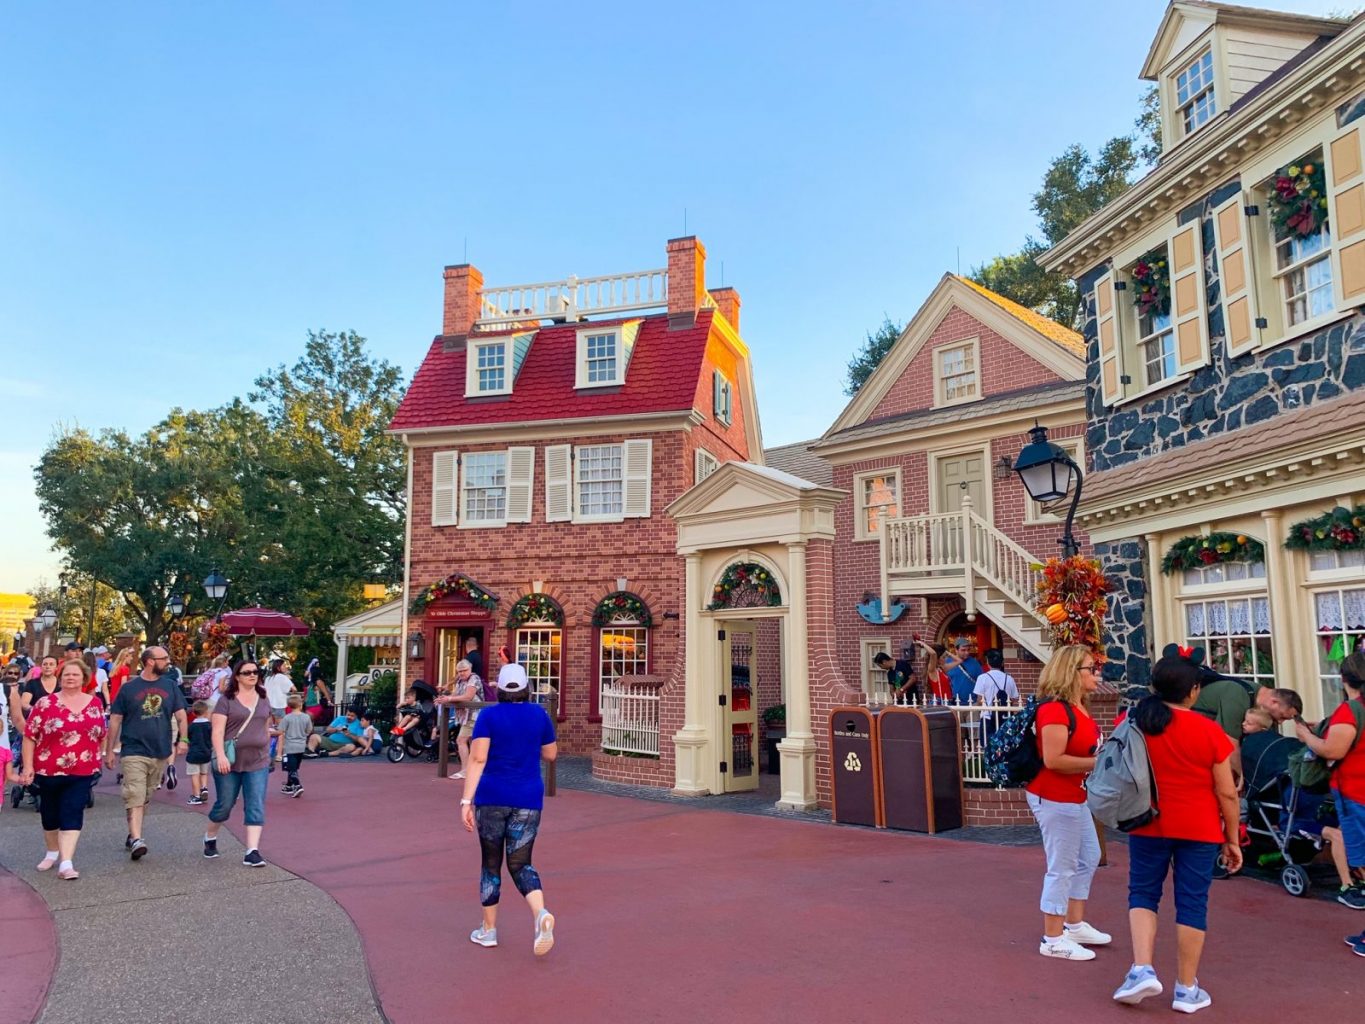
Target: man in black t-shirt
x,y
140,735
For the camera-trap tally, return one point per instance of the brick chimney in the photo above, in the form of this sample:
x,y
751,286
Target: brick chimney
x,y
686,274
727,301
463,284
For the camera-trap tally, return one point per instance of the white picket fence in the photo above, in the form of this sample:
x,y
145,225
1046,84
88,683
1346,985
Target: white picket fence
x,y
974,721
630,718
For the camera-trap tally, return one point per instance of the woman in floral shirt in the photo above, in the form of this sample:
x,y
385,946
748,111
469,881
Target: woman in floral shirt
x,y
62,741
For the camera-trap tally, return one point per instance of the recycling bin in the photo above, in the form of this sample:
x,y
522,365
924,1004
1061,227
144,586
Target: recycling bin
x,y
919,761
855,771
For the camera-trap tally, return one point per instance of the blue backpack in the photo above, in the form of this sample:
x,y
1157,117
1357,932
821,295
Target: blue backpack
x,y
1012,757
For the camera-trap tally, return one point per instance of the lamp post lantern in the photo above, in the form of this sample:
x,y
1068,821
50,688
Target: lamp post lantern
x,y
1049,474
48,617
176,605
216,588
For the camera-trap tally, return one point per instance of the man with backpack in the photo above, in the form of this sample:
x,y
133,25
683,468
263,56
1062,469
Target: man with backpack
x,y
994,688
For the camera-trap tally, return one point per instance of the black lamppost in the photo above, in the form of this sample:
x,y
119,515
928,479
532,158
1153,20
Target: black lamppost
x,y
1048,474
176,605
216,588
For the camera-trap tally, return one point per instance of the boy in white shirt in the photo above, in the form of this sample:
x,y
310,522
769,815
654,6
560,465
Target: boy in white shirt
x,y
995,686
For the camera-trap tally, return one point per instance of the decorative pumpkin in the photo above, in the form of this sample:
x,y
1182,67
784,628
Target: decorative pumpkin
x,y
1055,613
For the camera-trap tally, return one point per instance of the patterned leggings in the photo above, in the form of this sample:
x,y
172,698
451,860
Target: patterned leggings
x,y
513,829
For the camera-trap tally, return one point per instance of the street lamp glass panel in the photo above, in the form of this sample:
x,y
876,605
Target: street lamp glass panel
x,y
215,586
177,605
48,617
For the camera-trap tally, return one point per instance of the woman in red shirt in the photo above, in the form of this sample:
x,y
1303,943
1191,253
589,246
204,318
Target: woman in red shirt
x,y
62,740
1067,737
938,685
1197,817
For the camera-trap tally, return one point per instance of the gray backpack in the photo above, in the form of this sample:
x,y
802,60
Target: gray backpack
x,y
1120,791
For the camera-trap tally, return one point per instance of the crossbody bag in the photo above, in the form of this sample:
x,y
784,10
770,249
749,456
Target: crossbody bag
x,y
230,747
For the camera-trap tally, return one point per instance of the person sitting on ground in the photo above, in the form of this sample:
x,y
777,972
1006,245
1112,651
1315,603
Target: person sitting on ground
x,y
1341,744
340,736
369,740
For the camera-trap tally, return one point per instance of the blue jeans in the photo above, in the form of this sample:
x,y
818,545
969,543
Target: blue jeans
x,y
1149,859
251,785
1351,818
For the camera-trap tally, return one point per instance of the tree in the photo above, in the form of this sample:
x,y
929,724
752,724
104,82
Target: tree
x,y
71,600
869,357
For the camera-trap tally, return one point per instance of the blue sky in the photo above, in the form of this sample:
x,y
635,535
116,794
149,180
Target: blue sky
x,y
186,189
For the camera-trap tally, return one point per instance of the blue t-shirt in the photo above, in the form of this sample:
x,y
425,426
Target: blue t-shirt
x,y
511,776
962,678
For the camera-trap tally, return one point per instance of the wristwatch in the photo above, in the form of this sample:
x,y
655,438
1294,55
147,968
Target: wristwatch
x,y
465,803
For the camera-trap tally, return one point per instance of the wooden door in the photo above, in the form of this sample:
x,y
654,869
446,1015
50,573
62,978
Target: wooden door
x,y
960,475
739,738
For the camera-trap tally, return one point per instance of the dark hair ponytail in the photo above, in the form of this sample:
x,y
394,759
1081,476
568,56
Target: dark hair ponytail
x,y
1173,679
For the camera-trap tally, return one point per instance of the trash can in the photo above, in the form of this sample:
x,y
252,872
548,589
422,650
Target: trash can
x,y
855,775
920,763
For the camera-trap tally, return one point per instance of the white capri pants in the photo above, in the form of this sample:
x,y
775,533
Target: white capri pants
x,y
1072,848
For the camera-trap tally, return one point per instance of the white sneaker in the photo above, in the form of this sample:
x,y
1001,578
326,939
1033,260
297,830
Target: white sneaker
x,y
482,936
1190,1000
545,932
1065,949
1087,935
1139,983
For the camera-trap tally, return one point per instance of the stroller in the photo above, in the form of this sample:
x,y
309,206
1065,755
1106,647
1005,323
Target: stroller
x,y
420,740
1280,812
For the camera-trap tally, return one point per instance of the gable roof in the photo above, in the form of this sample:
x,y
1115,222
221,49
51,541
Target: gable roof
x,y
1061,350
662,376
1207,13
798,460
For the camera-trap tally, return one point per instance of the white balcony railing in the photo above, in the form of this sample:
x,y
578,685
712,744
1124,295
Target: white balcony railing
x,y
573,298
630,717
974,723
962,546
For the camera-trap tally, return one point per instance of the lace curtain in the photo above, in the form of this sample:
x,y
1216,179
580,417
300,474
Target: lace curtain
x,y
1340,609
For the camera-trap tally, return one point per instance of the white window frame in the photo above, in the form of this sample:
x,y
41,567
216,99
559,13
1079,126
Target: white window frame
x,y
705,465
534,635
972,346
639,659
722,398
1034,513
579,516
860,507
1249,589
1191,101
1329,683
473,349
1130,353
868,648
1162,334
581,363
466,522
636,488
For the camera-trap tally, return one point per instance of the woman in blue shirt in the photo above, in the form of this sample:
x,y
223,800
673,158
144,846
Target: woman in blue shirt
x,y
503,795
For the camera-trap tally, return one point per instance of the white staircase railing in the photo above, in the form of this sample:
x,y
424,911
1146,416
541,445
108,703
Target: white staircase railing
x,y
964,546
573,298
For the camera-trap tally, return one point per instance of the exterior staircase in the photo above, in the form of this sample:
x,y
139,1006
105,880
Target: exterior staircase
x,y
960,553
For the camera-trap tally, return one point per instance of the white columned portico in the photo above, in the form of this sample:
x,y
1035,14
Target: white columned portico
x,y
339,684
691,740
797,749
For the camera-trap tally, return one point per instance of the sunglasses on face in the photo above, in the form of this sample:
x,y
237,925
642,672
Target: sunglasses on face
x,y
248,672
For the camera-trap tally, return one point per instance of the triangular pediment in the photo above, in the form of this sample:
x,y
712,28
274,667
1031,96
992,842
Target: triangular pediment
x,y
390,613
739,486
1056,348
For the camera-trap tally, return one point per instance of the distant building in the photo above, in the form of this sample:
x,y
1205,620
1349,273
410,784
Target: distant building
x,y
15,610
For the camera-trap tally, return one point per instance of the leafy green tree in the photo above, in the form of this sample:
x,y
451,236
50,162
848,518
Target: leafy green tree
x,y
869,357
71,599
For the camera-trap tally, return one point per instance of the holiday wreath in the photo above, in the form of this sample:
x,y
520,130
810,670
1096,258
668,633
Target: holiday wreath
x,y
621,607
535,608
1152,283
1193,552
1073,595
455,583
1298,200
1342,529
746,585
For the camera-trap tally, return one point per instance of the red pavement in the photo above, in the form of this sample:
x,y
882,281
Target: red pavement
x,y
678,914
28,946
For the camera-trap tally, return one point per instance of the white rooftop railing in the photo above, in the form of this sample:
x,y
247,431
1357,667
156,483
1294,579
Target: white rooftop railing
x,y
573,298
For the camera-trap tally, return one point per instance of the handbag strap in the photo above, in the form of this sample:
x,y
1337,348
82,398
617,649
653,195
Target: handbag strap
x,y
250,715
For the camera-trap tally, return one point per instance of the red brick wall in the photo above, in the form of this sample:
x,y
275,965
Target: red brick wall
x,y
1002,366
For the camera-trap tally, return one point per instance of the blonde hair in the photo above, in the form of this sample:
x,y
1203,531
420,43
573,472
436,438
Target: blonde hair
x,y
78,663
201,707
1061,676
295,701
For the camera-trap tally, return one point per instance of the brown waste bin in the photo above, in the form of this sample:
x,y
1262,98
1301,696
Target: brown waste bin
x,y
920,764
855,773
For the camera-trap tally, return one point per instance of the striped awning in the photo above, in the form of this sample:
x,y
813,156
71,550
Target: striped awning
x,y
370,639
381,626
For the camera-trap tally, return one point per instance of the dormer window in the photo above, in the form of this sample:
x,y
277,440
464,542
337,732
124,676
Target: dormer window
x,y
1194,93
492,364
603,354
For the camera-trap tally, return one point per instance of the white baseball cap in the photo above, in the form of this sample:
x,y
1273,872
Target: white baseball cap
x,y
512,678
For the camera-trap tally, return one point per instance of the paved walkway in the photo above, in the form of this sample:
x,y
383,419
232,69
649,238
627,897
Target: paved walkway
x,y
158,940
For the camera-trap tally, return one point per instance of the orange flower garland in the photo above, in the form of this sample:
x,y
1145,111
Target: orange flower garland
x,y
1081,589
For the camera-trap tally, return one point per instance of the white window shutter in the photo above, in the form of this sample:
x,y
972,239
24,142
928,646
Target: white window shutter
x,y
1346,215
717,401
1236,276
706,464
637,460
1107,327
558,484
521,475
1187,298
443,470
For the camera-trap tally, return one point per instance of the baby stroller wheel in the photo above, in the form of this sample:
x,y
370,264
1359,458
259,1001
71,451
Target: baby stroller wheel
x,y
1295,880
394,752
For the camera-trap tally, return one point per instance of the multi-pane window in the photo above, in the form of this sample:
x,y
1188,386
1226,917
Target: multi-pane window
x,y
1194,92
1235,634
623,651
1340,617
957,373
491,367
540,653
601,356
600,486
1224,572
879,497
1303,268
485,487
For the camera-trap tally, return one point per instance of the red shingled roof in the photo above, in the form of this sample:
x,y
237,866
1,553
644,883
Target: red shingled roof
x,y
662,377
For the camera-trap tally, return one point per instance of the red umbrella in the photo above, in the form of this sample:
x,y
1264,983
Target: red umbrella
x,y
264,622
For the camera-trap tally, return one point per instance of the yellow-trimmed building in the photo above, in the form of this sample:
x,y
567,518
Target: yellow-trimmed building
x,y
1226,354
14,610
